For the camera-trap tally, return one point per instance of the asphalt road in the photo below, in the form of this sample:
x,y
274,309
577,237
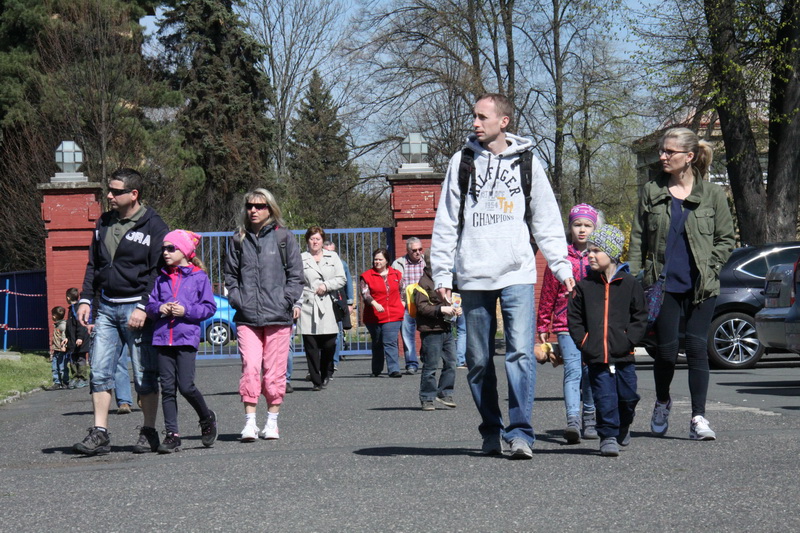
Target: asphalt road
x,y
361,456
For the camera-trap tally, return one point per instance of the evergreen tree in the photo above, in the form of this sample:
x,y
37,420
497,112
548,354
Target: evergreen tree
x,y
321,176
226,133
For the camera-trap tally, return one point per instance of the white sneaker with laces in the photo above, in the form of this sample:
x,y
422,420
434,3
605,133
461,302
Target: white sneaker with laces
x,y
700,430
659,423
269,433
249,433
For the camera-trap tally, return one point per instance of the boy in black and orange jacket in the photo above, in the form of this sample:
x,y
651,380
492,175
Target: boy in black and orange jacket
x,y
607,317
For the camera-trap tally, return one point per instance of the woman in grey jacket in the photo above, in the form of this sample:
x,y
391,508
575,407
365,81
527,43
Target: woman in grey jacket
x,y
324,275
264,279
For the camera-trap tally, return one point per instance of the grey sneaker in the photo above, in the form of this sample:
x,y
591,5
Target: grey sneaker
x,y
171,444
609,447
148,440
97,442
447,400
659,423
427,405
411,370
208,429
573,431
492,445
521,449
700,430
624,437
589,426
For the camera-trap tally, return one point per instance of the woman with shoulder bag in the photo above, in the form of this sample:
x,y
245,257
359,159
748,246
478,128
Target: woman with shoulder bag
x,y
683,229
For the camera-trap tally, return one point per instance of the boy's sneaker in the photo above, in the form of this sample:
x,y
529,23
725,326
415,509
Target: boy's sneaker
x,y
446,400
124,409
700,430
54,386
289,388
97,442
208,429
609,447
172,443
659,423
492,445
148,440
590,426
269,433
573,431
73,383
81,384
427,405
521,449
250,432
624,437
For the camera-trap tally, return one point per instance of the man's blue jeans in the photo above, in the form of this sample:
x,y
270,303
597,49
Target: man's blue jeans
x,y
461,340
410,341
122,380
112,336
384,345
516,305
576,378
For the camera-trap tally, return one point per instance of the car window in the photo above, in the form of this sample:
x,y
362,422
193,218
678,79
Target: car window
x,y
759,266
756,268
787,255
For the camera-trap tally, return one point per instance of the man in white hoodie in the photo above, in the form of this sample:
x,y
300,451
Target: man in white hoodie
x,y
490,247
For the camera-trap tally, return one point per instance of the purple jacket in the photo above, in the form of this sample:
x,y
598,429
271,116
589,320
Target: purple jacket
x,y
190,287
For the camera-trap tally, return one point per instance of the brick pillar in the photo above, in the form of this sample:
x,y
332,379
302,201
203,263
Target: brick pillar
x,y
70,210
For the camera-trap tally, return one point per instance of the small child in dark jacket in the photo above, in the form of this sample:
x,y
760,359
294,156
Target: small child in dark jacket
x,y
180,300
78,342
607,317
435,330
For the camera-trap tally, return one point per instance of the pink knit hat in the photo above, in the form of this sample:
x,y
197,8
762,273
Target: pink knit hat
x,y
185,241
583,211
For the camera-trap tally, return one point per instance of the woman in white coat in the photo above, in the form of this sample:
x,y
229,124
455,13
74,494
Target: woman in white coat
x,y
324,275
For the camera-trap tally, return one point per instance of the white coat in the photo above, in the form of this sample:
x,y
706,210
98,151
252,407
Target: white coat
x,y
316,316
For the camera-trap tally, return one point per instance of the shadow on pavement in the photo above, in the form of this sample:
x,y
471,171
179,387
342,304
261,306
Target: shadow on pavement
x,y
391,451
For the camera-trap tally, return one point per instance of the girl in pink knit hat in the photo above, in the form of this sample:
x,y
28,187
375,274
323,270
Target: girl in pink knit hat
x,y
181,299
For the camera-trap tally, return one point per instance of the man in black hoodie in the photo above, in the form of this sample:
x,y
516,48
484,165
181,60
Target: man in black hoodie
x,y
124,259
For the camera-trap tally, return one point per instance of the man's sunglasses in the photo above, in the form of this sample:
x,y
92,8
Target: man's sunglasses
x,y
118,192
260,207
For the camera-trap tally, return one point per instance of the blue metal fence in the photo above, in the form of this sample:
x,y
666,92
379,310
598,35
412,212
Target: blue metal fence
x,y
23,304
354,245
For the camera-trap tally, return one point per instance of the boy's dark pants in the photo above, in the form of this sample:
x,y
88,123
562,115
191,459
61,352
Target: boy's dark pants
x,y
176,366
615,397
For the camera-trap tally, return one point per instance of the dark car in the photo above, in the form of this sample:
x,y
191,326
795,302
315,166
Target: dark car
x,y
778,323
219,329
732,338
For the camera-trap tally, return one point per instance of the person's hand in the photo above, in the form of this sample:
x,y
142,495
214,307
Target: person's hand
x,y
295,313
178,309
165,309
322,289
50,359
84,310
569,283
350,309
78,342
378,307
136,321
543,337
90,328
444,294
447,310
458,311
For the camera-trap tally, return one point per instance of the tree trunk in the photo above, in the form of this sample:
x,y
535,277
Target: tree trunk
x,y
784,128
744,167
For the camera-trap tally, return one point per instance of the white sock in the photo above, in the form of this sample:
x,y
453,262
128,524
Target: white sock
x,y
250,418
272,420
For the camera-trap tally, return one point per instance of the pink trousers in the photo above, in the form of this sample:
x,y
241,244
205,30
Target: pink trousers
x,y
264,351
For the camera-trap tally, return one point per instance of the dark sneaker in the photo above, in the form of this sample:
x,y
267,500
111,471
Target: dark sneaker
x,y
447,400
609,447
492,445
54,386
521,449
427,405
97,442
289,388
172,443
624,438
395,375
659,422
573,431
590,426
148,440
124,409
208,428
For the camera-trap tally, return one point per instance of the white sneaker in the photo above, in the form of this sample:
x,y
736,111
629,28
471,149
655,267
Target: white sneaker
x,y
250,432
659,422
700,430
269,433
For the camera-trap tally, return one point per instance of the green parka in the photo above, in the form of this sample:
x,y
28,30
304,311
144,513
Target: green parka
x,y
709,228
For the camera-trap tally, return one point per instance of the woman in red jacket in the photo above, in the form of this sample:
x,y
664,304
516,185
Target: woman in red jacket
x,y
383,312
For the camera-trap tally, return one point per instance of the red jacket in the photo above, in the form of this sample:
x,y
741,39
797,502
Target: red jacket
x,y
552,315
391,300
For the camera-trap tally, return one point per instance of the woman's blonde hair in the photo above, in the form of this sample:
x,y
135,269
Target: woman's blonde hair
x,y
275,215
689,141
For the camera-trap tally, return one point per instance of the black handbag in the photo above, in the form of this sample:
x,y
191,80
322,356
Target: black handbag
x,y
341,310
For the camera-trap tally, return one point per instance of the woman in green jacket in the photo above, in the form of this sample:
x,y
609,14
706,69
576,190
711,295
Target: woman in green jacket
x,y
683,230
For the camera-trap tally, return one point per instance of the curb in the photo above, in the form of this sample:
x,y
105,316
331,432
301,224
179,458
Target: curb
x,y
16,395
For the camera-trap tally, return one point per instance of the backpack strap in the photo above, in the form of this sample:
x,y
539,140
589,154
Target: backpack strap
x,y
526,173
466,182
237,244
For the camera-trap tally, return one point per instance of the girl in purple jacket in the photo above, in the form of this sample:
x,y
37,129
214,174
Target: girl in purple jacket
x,y
180,300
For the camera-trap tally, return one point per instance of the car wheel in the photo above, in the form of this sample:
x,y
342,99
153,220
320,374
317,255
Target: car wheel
x,y
732,341
218,334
